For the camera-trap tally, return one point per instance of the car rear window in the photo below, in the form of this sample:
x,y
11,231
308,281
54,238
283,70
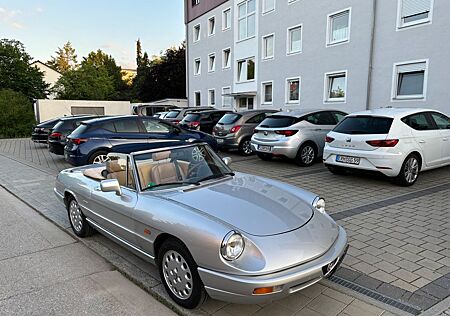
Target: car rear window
x,y
80,130
364,125
172,114
275,121
192,117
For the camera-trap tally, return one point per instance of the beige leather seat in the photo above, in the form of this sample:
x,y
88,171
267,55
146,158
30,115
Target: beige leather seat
x,y
116,171
165,171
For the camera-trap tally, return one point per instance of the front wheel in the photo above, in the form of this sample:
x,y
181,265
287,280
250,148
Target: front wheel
x,y
245,147
78,221
178,272
409,172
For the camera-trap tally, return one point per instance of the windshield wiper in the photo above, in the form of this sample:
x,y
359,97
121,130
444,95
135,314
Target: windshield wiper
x,y
170,183
216,176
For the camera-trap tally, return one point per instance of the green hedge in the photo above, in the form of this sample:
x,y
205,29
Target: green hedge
x,y
16,114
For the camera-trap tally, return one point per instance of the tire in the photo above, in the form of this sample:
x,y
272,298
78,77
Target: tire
x,y
77,220
245,148
179,275
337,170
306,155
409,172
265,157
98,157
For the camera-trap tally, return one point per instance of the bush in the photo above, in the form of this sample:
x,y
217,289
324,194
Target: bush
x,y
16,114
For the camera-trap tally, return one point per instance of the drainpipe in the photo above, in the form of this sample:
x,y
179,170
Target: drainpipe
x,y
372,43
187,62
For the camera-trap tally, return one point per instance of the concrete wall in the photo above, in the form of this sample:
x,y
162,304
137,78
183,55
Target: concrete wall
x,y
49,109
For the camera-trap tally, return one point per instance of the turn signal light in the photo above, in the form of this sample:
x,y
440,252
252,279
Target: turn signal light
x,y
287,132
266,290
235,129
383,143
328,139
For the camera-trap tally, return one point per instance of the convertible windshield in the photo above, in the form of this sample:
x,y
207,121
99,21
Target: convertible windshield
x,y
179,167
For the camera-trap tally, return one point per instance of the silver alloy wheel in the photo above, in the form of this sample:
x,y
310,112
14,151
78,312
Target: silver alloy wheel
x,y
198,154
411,170
247,147
307,155
177,274
75,216
100,159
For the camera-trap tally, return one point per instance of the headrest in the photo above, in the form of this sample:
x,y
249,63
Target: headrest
x,y
114,166
161,155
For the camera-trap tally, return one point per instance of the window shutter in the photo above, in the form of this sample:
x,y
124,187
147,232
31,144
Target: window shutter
x,y
411,67
414,7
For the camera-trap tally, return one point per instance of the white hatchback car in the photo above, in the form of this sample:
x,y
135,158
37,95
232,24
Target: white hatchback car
x,y
398,142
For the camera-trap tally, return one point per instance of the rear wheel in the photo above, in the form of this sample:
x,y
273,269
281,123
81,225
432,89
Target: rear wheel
x,y
77,220
179,275
265,157
410,171
98,157
245,147
306,155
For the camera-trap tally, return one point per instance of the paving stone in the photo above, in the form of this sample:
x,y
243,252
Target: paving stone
x,y
405,275
368,282
404,285
408,265
326,305
391,291
364,267
368,258
359,308
420,282
387,267
383,276
429,264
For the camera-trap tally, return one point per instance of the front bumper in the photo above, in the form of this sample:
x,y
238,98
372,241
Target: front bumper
x,y
286,148
239,289
387,163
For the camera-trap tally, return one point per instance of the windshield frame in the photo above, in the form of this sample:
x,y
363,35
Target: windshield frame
x,y
183,184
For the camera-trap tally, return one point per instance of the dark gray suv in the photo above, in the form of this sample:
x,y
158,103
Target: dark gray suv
x,y
234,130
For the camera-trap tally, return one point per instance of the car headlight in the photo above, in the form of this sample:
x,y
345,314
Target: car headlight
x,y
232,246
319,204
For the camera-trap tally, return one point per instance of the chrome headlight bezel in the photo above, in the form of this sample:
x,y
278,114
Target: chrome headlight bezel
x,y
231,240
319,204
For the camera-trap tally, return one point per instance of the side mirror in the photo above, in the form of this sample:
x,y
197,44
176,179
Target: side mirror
x,y
111,185
227,160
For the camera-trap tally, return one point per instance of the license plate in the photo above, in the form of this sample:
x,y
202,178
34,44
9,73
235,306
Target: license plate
x,y
348,159
219,140
264,148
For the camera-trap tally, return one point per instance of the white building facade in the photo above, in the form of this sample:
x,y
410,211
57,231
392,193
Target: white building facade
x,y
288,54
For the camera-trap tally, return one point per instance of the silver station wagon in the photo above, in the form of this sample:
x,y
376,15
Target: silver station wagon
x,y
233,236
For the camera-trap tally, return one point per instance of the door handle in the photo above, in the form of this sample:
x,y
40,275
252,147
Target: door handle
x,y
117,137
318,129
421,141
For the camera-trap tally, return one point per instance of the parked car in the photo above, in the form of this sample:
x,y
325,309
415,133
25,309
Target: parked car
x,y
235,130
203,121
93,139
58,134
183,209
397,142
175,116
298,135
41,131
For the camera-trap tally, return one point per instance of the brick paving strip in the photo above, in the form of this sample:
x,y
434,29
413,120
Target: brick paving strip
x,y
419,300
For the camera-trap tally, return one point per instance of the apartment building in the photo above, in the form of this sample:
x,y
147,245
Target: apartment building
x,y
347,54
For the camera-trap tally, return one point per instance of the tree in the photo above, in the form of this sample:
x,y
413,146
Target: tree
x,y
17,74
138,53
65,58
17,116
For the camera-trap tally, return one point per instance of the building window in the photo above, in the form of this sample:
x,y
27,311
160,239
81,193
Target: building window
x,y
211,26
267,46
197,98
336,86
267,92
212,97
227,99
195,2
226,58
197,66
413,12
197,33
246,19
339,27
268,6
226,19
246,103
211,62
293,90
246,70
294,40
410,80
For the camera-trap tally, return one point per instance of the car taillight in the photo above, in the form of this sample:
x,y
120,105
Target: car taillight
x,y
328,139
287,132
176,122
78,141
194,123
55,134
235,129
383,143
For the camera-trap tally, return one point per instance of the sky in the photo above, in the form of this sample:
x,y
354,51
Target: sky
x,y
110,25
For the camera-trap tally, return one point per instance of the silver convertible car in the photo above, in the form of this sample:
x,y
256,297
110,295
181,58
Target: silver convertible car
x,y
234,236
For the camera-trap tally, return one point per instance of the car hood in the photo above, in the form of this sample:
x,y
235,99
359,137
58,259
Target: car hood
x,y
253,205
